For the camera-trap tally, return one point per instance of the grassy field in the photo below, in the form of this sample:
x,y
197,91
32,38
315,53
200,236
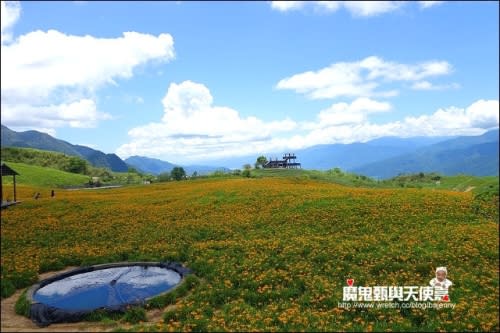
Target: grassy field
x,y
455,183
272,253
43,177
37,176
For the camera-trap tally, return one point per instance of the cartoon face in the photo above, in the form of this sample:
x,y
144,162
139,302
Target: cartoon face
x,y
440,275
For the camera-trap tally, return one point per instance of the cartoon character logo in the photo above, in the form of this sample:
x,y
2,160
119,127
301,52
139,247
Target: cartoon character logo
x,y
441,284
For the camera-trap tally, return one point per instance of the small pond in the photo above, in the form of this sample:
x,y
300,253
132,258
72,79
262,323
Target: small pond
x,y
69,296
110,287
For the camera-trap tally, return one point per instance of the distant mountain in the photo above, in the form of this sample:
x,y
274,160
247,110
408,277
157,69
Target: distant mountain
x,y
349,156
156,166
100,159
149,165
473,155
34,139
344,156
43,141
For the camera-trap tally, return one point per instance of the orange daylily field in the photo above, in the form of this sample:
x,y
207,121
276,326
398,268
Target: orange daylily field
x,y
271,254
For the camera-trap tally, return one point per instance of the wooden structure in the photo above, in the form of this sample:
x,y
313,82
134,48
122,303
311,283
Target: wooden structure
x,y
7,171
288,162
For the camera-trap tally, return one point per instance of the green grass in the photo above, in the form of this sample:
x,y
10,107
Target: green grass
x,y
456,183
44,177
22,306
44,158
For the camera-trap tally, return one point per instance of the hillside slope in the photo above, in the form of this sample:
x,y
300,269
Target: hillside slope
x,y
38,140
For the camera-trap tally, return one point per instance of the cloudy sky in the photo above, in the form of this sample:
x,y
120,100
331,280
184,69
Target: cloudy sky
x,y
194,81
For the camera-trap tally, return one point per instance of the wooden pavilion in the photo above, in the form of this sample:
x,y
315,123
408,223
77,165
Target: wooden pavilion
x,y
7,171
288,162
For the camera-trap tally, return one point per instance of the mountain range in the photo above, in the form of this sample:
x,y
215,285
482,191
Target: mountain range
x,y
38,140
43,141
156,166
473,155
380,158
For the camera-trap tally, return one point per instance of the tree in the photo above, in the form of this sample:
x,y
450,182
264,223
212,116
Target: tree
x,y
76,165
178,173
261,161
246,171
164,176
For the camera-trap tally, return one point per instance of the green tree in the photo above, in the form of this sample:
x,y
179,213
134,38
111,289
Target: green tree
x,y
76,165
261,161
164,176
178,173
246,171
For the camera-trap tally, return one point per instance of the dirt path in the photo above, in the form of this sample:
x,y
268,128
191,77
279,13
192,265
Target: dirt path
x,y
470,188
11,322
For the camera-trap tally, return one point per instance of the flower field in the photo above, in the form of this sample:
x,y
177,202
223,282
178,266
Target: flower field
x,y
272,254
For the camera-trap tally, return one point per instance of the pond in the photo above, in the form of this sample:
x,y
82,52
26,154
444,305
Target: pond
x,y
109,287
69,296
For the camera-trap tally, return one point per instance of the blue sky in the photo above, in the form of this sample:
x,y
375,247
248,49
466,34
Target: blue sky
x,y
196,81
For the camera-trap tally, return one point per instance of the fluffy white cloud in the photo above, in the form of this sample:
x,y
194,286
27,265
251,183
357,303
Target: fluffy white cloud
x,y
360,78
344,113
371,8
284,6
39,63
78,114
479,116
49,78
356,8
193,128
10,11
193,125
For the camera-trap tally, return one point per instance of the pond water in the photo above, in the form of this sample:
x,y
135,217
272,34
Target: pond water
x,y
109,287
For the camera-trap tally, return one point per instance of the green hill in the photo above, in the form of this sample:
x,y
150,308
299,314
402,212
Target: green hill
x,y
44,177
38,140
44,158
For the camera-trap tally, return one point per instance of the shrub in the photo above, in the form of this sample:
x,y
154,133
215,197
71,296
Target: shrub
x,y
135,315
23,306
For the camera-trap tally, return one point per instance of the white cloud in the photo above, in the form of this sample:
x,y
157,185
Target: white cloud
x,y
194,129
360,78
371,8
78,114
481,115
428,4
477,118
41,62
426,85
10,12
192,125
344,113
49,78
356,8
284,6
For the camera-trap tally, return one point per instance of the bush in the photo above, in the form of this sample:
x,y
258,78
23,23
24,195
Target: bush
x,y
8,288
178,173
135,315
23,305
164,177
